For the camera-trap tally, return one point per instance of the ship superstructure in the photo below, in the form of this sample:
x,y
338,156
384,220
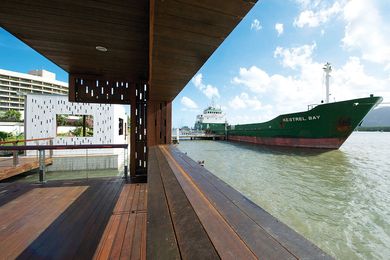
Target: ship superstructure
x,y
212,118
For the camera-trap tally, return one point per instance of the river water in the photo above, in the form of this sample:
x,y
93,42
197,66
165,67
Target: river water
x,y
339,200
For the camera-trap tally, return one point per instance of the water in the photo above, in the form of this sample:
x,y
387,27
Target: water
x,y
339,200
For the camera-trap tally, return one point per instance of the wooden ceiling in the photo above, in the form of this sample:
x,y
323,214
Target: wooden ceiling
x,y
164,41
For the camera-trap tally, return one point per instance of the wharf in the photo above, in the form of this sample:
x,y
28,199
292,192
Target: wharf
x,y
183,211
25,164
199,137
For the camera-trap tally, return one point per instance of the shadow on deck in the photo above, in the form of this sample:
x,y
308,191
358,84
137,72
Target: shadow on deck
x,y
183,211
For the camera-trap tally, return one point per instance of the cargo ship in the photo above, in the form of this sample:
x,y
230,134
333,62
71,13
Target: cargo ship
x,y
324,126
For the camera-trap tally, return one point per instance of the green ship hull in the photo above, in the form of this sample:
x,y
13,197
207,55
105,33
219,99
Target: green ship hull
x,y
216,128
325,126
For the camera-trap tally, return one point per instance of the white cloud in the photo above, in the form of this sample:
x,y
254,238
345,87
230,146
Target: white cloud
x,y
243,101
295,57
256,79
209,90
308,3
312,18
188,103
365,31
279,28
256,25
352,80
293,93
197,80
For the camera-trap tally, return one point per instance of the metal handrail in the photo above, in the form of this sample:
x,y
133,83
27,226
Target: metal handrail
x,y
61,147
43,148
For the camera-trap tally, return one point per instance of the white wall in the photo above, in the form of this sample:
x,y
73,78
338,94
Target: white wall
x,y
14,127
40,122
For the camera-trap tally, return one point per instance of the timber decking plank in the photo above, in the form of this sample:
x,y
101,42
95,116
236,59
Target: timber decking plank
x,y
77,230
125,252
135,246
7,169
136,251
73,219
10,192
21,228
123,197
227,243
102,243
291,240
123,212
141,205
16,214
105,252
87,245
161,240
260,242
120,238
143,236
193,240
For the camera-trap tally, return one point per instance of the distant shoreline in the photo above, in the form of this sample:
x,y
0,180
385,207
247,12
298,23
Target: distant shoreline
x,y
373,129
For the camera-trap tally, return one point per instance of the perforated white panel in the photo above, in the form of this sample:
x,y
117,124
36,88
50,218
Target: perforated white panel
x,y
40,121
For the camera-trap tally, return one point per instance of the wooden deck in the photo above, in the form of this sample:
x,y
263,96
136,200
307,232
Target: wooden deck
x,y
73,219
7,169
183,212
199,209
125,233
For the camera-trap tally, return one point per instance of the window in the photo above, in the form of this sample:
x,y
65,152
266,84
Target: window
x,y
74,125
120,126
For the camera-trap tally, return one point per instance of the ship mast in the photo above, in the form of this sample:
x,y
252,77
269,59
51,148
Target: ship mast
x,y
328,69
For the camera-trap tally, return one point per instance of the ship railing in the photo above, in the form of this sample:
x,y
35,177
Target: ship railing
x,y
311,106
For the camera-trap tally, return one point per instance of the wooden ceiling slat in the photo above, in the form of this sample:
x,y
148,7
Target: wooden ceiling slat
x,y
92,9
183,47
197,14
184,24
121,42
238,8
169,32
68,25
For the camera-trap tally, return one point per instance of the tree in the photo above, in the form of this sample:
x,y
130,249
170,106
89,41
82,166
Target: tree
x,y
12,115
61,120
3,135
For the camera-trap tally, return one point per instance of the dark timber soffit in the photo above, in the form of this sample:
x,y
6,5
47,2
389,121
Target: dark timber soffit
x,y
164,41
185,34
67,33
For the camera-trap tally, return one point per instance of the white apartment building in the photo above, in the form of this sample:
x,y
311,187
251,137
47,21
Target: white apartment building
x,y
14,86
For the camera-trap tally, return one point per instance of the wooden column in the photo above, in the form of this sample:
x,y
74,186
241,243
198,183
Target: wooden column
x,y
132,134
139,149
159,122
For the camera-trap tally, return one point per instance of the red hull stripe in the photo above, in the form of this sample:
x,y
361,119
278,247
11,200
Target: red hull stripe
x,y
327,143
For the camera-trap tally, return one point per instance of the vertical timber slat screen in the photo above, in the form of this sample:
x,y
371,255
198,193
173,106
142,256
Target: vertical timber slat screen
x,y
141,150
89,89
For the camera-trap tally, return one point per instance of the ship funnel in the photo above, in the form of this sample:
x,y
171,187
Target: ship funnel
x,y
327,69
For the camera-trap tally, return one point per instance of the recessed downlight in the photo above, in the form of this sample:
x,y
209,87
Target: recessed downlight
x,y
101,48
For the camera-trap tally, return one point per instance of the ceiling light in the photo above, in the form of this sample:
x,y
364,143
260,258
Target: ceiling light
x,y
101,48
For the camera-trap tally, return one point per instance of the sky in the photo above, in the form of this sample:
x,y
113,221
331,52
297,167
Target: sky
x,y
272,62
